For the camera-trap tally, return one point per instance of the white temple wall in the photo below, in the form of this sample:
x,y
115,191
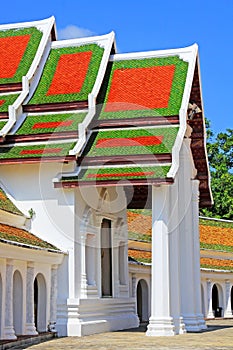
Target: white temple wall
x,y
53,208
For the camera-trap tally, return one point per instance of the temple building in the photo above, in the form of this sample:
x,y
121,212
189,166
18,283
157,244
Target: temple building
x,y
86,135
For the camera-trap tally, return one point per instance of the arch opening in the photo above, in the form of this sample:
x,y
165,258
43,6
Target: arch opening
x,y
232,300
142,301
217,301
40,301
202,300
17,302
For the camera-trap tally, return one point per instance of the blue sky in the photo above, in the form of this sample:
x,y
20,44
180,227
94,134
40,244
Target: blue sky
x,y
143,25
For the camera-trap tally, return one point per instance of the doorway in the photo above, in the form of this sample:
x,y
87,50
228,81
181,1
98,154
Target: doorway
x,y
106,258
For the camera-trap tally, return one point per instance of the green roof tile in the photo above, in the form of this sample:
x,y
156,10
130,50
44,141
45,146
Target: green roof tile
x,y
132,142
62,76
120,173
21,236
6,101
39,124
17,51
7,205
36,151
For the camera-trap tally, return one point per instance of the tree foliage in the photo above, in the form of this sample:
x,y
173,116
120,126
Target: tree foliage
x,y
220,155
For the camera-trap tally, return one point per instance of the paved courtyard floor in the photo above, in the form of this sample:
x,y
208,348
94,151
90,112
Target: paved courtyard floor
x,y
219,335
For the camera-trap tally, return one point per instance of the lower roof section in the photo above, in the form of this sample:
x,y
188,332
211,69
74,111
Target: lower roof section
x,y
35,152
113,175
10,235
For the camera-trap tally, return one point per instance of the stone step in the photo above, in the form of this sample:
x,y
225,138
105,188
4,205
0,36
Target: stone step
x,y
26,341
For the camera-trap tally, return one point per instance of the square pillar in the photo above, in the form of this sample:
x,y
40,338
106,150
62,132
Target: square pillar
x,y
8,330
188,259
196,253
30,328
161,321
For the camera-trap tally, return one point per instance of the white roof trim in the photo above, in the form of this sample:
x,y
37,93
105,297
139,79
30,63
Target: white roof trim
x,y
184,53
15,110
108,42
101,40
192,55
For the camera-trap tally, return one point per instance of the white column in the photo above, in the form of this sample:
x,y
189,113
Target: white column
x,y
161,321
83,267
53,299
209,296
188,303
174,261
134,294
30,328
228,311
8,331
196,253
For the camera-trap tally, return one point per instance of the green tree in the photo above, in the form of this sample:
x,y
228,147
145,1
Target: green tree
x,y
220,155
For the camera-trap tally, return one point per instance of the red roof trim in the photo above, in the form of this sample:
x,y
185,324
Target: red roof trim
x,y
54,107
139,182
31,160
140,121
42,136
10,87
135,159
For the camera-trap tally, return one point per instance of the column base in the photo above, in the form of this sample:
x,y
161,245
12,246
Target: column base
x,y
179,325
192,323
228,314
30,329
160,327
201,321
9,333
210,315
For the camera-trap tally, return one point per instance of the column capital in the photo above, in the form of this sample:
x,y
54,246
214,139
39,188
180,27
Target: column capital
x,y
30,264
9,262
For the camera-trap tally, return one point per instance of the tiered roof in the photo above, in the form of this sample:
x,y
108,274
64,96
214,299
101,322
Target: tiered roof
x,y
119,116
216,240
56,104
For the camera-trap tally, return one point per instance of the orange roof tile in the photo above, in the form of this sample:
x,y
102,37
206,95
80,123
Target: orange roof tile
x,y
9,62
149,87
14,234
70,73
